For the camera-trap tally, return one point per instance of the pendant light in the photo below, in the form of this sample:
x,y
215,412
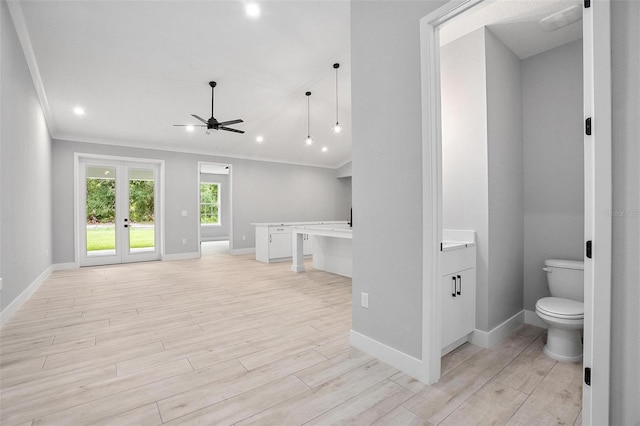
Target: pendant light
x,y
309,140
337,128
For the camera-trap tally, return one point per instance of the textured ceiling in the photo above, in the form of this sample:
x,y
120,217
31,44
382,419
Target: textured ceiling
x,y
515,23
138,67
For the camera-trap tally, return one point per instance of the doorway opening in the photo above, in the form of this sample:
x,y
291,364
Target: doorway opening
x,y
118,205
597,194
215,208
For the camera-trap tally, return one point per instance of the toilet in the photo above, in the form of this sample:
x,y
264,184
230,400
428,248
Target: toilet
x,y
563,312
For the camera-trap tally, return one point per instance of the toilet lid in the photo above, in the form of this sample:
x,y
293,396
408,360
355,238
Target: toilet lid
x,y
559,307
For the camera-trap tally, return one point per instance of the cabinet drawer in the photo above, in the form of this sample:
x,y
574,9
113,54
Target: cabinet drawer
x,y
280,229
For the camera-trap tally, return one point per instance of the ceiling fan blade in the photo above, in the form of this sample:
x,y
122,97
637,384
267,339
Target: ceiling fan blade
x,y
229,129
227,123
199,118
187,125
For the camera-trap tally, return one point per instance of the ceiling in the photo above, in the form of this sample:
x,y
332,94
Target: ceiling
x,y
138,67
516,24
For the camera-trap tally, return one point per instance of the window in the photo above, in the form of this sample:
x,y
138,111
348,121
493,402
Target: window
x,y
210,203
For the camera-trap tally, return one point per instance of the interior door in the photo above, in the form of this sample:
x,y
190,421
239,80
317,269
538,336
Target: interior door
x,y
118,212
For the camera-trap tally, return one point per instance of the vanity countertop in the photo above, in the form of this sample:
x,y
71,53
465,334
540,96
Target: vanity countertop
x,y
456,245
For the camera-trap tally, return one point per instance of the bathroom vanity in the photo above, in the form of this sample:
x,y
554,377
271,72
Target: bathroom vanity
x,y
457,266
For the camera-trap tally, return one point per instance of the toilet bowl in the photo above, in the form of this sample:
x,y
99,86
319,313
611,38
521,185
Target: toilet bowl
x,y
563,312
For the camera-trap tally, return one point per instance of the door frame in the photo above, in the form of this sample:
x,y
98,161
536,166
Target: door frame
x,y
78,220
230,166
598,191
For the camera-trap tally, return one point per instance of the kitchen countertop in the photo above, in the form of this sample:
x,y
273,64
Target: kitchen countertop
x,y
317,222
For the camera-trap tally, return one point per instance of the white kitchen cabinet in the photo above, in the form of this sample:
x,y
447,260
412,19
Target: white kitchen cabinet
x,y
457,295
273,243
273,240
307,244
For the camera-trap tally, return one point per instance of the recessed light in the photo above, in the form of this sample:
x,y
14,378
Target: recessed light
x,y
253,10
325,149
190,128
78,111
259,139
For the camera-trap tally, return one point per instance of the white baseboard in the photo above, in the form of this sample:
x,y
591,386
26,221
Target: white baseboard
x,y
181,256
64,266
210,239
248,250
530,317
403,362
489,339
13,307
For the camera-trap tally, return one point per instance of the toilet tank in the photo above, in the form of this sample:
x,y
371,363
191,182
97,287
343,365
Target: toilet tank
x,y
565,278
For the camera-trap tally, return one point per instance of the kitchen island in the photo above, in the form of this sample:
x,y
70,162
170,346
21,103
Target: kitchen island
x,y
331,248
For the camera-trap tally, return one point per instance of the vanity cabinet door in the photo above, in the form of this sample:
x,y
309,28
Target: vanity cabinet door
x,y
465,301
458,306
447,319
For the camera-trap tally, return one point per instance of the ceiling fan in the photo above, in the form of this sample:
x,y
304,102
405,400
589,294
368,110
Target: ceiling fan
x,y
212,123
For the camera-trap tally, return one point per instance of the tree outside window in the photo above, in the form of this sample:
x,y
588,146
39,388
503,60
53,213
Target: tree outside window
x,y
210,204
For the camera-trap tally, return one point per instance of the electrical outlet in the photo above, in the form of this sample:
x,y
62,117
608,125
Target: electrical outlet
x,y
184,213
244,238
184,241
364,300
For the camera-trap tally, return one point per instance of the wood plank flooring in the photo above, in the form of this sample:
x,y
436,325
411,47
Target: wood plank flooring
x,y
226,340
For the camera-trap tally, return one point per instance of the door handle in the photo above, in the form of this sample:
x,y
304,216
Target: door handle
x,y
459,285
453,293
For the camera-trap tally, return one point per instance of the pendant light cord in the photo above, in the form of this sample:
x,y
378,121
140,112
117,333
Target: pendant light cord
x,y
336,65
308,132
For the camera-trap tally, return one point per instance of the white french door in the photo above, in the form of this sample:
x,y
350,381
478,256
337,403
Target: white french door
x,y
118,211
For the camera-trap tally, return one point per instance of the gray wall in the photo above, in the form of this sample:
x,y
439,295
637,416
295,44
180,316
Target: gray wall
x,y
387,164
482,166
25,171
553,163
465,180
506,180
262,192
625,324
221,231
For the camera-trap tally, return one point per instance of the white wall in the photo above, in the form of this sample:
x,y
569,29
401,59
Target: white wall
x,y
625,324
506,181
25,171
465,174
262,192
221,231
387,165
553,163
482,165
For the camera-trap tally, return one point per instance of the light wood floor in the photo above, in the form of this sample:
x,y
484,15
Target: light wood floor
x,y
228,340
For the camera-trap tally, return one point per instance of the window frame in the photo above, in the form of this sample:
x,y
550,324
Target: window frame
x,y
218,204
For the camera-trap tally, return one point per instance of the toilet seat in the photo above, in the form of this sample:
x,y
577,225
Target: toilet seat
x,y
558,307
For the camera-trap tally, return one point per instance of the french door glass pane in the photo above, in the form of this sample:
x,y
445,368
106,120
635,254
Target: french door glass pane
x,y
141,210
101,210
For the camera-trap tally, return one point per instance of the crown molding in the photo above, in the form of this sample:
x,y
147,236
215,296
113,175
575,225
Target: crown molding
x,y
15,10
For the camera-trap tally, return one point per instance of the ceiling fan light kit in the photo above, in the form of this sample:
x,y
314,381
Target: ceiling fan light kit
x,y
212,123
